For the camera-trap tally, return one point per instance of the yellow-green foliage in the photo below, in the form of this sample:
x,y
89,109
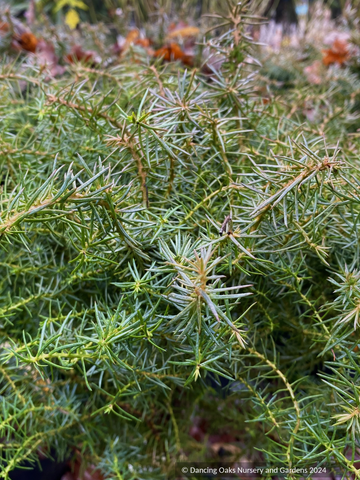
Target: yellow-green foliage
x,y
163,233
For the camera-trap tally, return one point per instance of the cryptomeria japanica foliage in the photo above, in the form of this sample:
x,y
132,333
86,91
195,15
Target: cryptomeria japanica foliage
x,y
158,228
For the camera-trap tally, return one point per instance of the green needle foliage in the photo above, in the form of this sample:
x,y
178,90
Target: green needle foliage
x,y
163,231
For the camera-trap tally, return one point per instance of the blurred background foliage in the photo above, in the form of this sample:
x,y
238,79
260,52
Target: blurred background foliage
x,y
131,13
137,12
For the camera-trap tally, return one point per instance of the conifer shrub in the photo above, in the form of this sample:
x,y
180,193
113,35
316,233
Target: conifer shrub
x,y
179,247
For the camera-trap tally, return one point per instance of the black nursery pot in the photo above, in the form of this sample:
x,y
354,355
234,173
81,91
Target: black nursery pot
x,y
48,470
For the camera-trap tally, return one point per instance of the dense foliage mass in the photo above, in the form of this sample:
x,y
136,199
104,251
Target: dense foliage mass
x,y
168,232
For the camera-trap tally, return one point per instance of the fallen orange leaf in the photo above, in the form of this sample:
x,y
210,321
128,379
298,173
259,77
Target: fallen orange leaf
x,y
338,53
174,52
143,42
79,55
132,36
28,42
